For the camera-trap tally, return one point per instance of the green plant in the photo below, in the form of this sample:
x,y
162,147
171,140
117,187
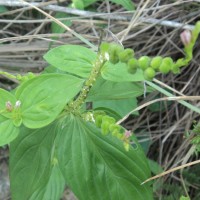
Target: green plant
x,y
55,139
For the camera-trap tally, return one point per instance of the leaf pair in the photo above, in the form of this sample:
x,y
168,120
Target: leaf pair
x,y
41,100
79,61
94,166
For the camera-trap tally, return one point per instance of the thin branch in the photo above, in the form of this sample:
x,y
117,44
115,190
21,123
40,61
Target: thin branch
x,y
171,170
88,14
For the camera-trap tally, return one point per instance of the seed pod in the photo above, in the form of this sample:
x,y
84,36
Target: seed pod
x,y
175,69
166,65
149,73
156,62
126,55
132,65
113,52
109,119
98,120
104,47
105,127
144,62
114,127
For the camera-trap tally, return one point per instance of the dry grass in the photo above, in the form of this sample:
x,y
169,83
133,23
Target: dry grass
x,y
26,35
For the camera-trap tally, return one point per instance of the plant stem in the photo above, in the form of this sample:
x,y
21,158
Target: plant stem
x,y
89,82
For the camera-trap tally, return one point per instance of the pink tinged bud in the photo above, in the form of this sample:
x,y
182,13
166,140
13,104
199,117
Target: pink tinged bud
x,y
127,134
9,106
17,104
186,37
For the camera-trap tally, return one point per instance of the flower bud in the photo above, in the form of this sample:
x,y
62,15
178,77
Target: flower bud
x,y
9,106
186,37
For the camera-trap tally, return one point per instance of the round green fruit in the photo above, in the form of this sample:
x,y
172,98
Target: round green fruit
x,y
105,127
144,62
156,62
113,52
98,120
175,69
149,73
166,65
126,55
104,47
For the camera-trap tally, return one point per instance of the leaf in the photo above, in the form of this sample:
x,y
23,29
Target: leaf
x,y
122,106
119,73
55,28
8,132
145,140
44,97
155,167
6,96
98,167
184,198
31,162
127,4
109,90
88,2
56,184
74,59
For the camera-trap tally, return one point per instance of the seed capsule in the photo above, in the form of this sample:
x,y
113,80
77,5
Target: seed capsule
x,y
156,62
144,62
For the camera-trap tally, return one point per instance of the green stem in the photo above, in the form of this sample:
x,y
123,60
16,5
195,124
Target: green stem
x,y
89,82
8,75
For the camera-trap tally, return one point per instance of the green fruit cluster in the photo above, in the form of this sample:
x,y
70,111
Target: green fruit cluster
x,y
108,125
116,52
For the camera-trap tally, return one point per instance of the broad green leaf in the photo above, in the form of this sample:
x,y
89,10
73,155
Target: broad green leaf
x,y
98,167
6,96
122,106
44,97
119,73
55,28
155,167
109,90
8,132
56,184
74,59
127,4
31,162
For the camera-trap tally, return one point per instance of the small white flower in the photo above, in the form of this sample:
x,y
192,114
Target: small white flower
x,y
18,104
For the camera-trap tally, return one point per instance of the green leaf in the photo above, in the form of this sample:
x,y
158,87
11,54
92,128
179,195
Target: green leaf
x,y
122,106
31,162
44,97
127,4
55,28
88,2
145,140
109,90
98,167
56,184
8,132
6,96
184,198
74,59
119,73
155,167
